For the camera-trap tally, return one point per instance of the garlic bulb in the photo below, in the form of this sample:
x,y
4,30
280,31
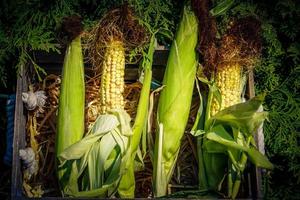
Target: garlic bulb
x,y
28,157
34,100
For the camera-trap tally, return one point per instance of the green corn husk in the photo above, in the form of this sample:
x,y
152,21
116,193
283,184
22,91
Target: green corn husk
x,y
96,162
227,141
175,100
70,123
127,183
244,119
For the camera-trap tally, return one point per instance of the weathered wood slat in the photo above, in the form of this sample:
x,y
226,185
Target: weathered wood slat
x,y
53,63
160,57
19,136
257,186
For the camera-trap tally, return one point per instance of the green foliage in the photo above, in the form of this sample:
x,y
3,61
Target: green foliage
x,y
278,74
270,63
158,15
289,11
282,135
3,55
32,25
240,8
27,26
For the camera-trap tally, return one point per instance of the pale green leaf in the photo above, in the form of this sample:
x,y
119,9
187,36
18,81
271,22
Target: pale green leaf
x,y
221,8
114,171
259,159
243,116
95,169
215,92
255,156
105,123
210,146
124,120
121,140
197,133
95,162
138,161
199,121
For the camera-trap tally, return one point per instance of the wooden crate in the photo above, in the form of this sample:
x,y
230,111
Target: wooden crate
x,y
53,64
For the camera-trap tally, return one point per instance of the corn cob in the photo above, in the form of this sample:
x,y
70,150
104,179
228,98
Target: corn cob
x,y
112,79
70,128
70,122
175,100
228,79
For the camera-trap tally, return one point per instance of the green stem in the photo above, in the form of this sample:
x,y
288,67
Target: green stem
x,y
236,187
242,164
202,175
200,121
202,178
229,179
142,110
244,157
233,161
127,183
208,107
209,102
160,184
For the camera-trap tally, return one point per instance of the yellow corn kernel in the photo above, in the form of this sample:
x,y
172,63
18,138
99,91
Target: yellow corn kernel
x,y
228,79
112,79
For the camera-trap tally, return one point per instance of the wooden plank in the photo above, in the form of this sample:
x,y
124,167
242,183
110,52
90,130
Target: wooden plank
x,y
131,71
53,62
160,57
19,137
257,186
